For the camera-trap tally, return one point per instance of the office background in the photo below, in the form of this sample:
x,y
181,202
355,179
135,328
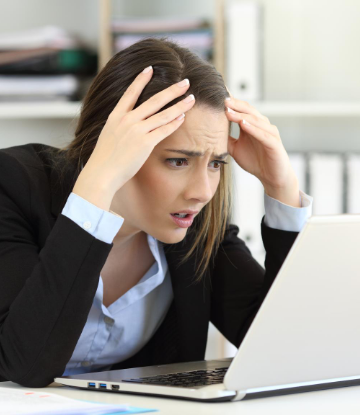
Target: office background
x,y
304,54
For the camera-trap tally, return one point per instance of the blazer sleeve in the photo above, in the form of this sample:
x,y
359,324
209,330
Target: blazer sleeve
x,y
239,283
45,294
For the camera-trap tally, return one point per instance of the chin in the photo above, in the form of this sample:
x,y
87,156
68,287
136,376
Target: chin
x,y
174,237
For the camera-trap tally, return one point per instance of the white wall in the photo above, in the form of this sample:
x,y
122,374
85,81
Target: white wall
x,y
312,50
198,8
54,132
78,16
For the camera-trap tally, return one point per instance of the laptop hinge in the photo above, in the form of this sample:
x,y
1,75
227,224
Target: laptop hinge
x,y
239,395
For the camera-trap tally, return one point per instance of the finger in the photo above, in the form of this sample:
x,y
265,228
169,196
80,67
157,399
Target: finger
x,y
253,120
243,106
131,95
228,91
168,115
159,100
156,136
231,144
260,135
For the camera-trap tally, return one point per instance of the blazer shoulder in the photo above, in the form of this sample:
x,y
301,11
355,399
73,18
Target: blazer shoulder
x,y
25,172
28,155
31,163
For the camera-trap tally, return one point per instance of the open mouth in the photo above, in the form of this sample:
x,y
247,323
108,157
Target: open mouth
x,y
181,215
183,220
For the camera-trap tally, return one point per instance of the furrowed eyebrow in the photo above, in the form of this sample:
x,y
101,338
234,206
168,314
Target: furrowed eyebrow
x,y
196,153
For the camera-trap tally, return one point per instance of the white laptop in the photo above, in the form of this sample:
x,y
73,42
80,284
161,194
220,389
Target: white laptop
x,y
305,336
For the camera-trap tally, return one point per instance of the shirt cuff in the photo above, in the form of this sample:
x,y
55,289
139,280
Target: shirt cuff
x,y
280,216
103,225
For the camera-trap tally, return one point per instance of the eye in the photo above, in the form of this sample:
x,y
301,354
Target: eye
x,y
219,162
176,161
181,160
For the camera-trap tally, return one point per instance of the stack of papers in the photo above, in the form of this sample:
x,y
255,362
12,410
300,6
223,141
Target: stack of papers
x,y
195,34
157,24
40,65
19,88
19,402
47,36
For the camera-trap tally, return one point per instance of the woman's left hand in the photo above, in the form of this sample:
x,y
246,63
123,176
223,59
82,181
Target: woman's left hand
x,y
259,151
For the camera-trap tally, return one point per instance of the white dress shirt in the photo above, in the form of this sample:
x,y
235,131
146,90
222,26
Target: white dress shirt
x,y
115,333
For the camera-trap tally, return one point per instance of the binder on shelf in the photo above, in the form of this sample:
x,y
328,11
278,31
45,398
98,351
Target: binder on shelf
x,y
248,208
48,61
353,183
44,64
243,48
326,183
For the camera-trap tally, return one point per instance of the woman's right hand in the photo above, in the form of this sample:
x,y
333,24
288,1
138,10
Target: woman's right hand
x,y
128,138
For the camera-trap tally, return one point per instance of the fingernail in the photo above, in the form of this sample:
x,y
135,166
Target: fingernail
x,y
246,123
184,82
228,99
180,117
148,69
189,98
230,110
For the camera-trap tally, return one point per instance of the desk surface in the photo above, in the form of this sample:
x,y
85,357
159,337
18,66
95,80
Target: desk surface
x,y
336,401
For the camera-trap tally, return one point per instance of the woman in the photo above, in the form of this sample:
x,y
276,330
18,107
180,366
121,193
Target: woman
x,y
96,270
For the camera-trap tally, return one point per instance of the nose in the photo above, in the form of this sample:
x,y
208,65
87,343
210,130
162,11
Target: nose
x,y
200,186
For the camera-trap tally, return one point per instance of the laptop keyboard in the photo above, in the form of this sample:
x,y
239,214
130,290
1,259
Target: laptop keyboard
x,y
185,379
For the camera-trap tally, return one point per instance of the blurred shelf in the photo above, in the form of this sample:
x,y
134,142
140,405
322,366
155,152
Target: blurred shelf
x,y
23,110
307,109
67,110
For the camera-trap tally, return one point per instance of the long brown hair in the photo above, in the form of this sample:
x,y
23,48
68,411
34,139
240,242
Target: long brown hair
x,y
171,63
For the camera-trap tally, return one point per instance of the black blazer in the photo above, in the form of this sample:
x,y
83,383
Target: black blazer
x,y
50,267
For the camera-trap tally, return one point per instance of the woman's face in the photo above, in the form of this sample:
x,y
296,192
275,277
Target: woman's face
x,y
163,186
